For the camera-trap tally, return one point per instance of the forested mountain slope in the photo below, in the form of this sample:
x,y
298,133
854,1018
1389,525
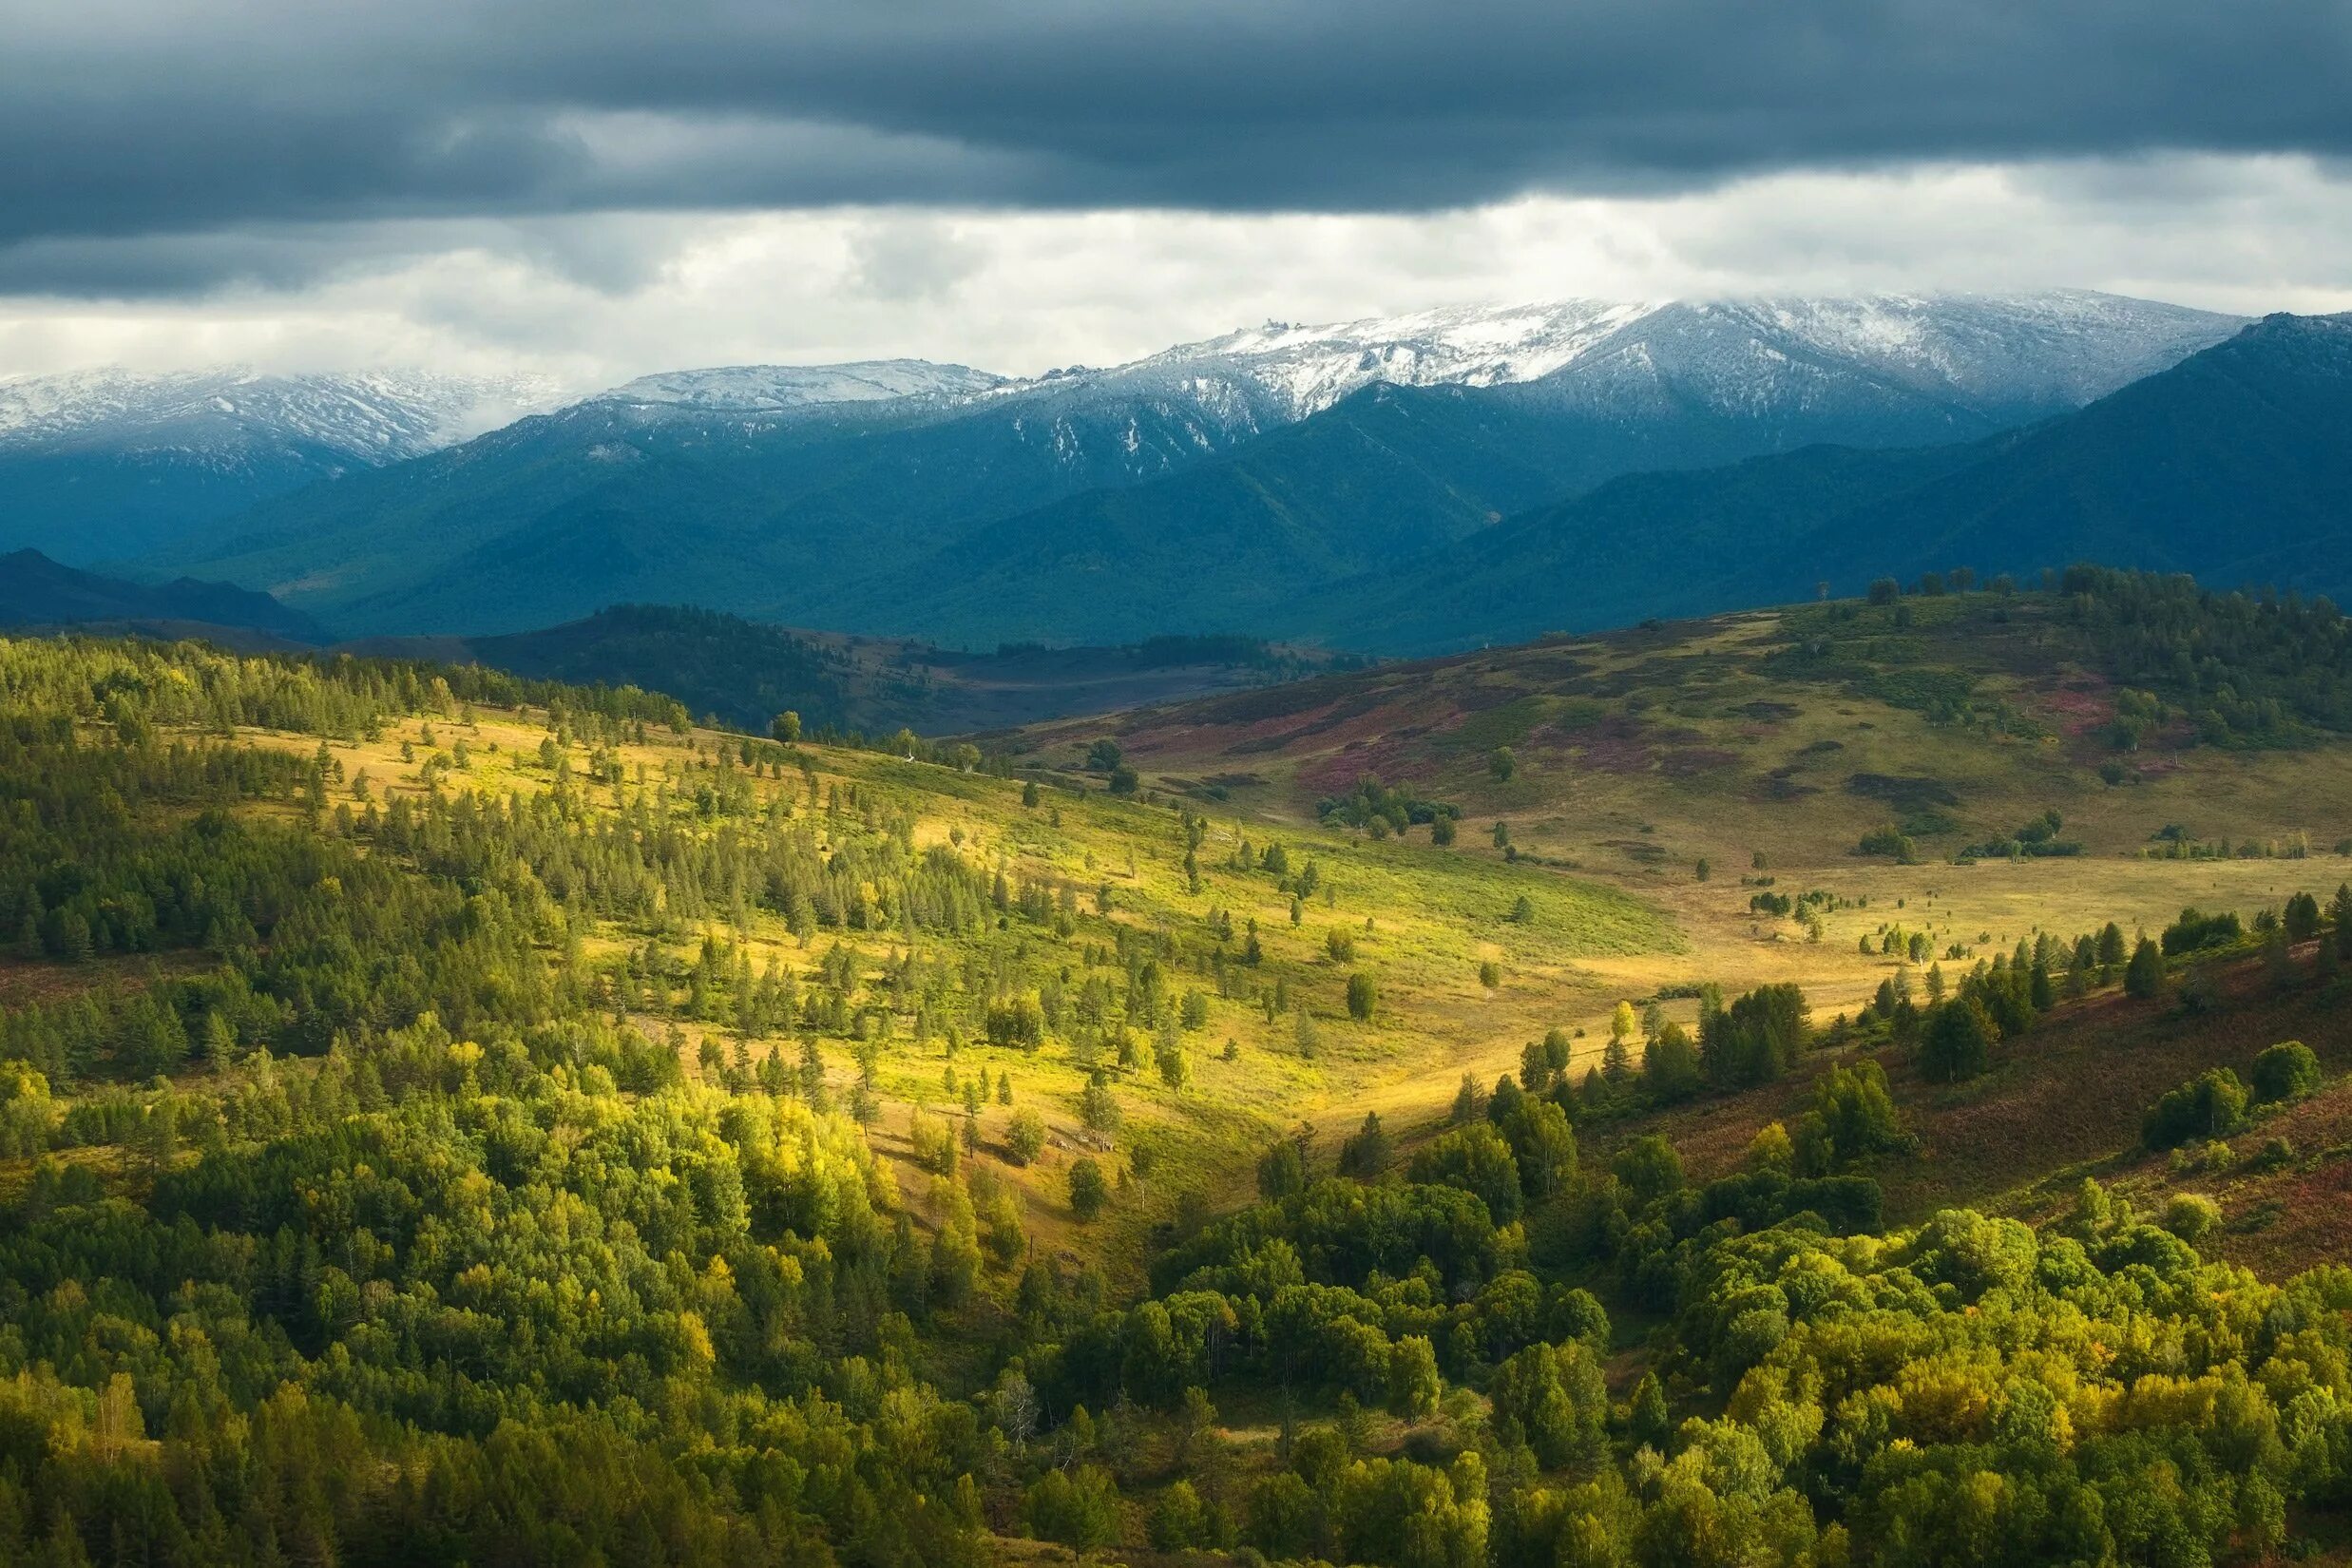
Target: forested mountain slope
x,y
2233,464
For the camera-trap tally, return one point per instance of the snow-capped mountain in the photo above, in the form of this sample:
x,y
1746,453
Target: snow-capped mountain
x,y
226,415
1982,359
2059,349
869,496
104,463
776,389
2004,358
1285,372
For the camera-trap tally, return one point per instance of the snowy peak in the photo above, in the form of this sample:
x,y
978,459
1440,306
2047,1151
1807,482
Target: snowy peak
x,y
2052,350
2062,348
1302,369
219,415
775,388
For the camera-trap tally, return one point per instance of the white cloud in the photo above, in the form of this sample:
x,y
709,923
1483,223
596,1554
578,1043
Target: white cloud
x,y
599,298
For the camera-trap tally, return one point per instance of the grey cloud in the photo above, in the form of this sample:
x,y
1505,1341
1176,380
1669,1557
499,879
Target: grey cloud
x,y
908,260
184,120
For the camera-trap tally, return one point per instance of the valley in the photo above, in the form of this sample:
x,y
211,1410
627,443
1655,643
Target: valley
x,y
1176,786
995,1064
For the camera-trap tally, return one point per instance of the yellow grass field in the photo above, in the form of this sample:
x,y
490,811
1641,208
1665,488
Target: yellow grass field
x,y
1608,831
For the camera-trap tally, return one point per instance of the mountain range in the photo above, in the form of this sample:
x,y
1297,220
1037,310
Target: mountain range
x,y
105,464
1204,488
1408,484
2234,466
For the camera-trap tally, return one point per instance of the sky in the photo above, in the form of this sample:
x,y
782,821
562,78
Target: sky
x,y
589,191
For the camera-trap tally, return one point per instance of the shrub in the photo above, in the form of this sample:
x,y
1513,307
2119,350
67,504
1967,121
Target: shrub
x,y
1089,1191
2191,1215
2287,1071
2195,929
1889,840
1078,1508
1363,999
1178,1521
1017,1024
1024,1135
2210,1106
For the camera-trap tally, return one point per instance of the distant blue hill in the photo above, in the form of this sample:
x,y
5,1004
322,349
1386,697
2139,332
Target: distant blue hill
x,y
36,591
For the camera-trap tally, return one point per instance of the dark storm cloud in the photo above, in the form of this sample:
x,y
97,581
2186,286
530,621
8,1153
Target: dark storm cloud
x,y
123,122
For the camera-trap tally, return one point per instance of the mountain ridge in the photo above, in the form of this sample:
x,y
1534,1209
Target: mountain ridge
x,y
103,464
2232,465
883,514
37,591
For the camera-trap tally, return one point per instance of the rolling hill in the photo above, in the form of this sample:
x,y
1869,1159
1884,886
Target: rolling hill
x,y
36,591
384,1047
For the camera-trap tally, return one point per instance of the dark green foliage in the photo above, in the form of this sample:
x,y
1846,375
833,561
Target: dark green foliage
x,y
2144,976
2287,1071
1089,1191
2212,1105
1958,1042
2301,917
1077,1508
424,1258
1369,1151
2036,839
1852,1119
1755,1040
2195,930
1889,840
1670,1070
1399,808
2245,670
1648,1168
1477,1159
1281,1170
745,673
1552,1399
1542,1145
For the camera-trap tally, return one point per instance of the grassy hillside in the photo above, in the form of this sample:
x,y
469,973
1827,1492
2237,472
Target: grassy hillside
x,y
444,1117
1769,745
